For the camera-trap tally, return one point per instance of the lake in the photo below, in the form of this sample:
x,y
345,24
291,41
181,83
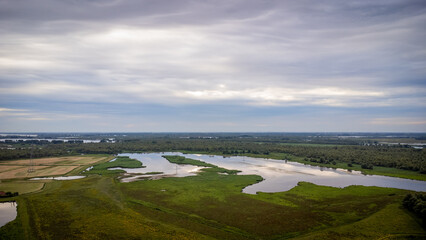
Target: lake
x,y
7,212
278,175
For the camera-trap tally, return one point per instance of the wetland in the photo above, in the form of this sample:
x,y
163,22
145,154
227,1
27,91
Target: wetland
x,y
278,175
241,188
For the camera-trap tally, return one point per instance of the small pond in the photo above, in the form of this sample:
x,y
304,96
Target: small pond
x,y
58,178
7,212
278,175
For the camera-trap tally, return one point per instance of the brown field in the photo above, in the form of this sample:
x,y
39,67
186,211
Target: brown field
x,y
5,168
19,172
52,171
73,160
15,169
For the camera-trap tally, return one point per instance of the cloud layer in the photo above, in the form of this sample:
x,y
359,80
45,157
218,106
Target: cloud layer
x,y
132,62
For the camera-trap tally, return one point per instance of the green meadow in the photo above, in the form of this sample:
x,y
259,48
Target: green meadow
x,y
210,205
120,161
209,167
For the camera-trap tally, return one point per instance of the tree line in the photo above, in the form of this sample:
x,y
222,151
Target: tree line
x,y
416,203
368,156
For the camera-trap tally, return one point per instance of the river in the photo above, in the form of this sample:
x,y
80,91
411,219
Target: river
x,y
278,175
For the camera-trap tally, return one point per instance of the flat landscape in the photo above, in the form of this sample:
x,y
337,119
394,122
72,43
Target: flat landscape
x,y
52,161
14,174
45,166
224,119
210,204
21,186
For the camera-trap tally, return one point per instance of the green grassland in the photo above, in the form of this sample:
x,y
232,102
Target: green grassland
x,y
121,161
208,206
90,208
392,220
22,187
209,167
82,168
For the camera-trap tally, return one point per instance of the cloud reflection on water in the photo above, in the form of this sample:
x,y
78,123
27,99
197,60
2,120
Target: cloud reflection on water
x,y
278,175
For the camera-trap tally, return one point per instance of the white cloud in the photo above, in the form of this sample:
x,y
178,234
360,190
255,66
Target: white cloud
x,y
398,121
277,96
11,110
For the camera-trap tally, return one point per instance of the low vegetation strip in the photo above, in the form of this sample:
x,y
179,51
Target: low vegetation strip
x,y
121,161
209,167
183,160
21,187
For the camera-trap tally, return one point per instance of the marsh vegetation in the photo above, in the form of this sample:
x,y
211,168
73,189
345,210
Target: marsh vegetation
x,y
207,205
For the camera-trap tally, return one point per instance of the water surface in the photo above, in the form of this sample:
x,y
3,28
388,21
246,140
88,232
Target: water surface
x,y
278,175
50,140
7,212
58,178
154,162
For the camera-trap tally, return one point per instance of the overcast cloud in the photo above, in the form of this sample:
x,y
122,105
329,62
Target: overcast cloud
x,y
231,65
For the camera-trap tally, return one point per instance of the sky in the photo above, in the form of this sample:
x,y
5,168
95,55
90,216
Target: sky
x,y
212,66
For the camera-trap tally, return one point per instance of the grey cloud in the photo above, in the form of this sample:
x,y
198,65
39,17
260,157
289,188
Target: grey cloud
x,y
242,52
202,12
187,11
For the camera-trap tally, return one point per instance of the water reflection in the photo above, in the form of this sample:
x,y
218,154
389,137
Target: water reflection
x,y
155,163
278,175
59,178
282,176
7,212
